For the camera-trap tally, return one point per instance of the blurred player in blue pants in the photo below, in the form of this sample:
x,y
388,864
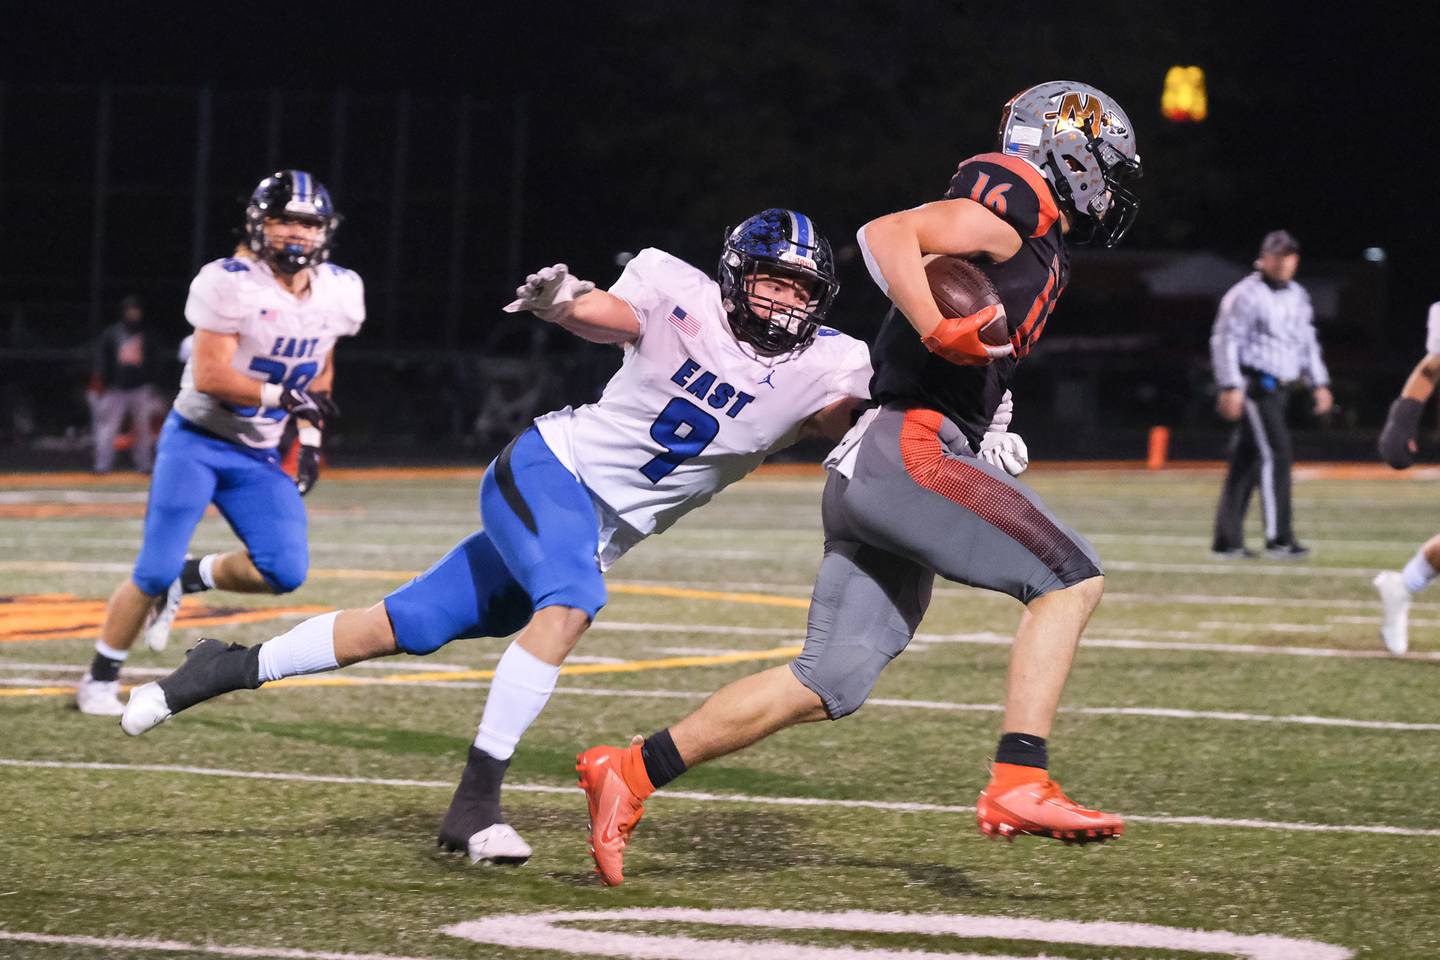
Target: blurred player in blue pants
x,y
266,321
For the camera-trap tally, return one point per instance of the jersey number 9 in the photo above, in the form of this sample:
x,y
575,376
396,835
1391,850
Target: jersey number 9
x,y
684,430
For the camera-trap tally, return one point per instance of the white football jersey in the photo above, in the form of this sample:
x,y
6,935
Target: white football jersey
x,y
691,409
282,340
1432,329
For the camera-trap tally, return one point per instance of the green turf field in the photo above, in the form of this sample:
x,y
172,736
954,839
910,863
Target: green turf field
x,y
1279,770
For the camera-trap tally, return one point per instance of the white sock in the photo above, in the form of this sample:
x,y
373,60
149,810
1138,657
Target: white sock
x,y
308,648
522,685
207,569
105,650
1418,572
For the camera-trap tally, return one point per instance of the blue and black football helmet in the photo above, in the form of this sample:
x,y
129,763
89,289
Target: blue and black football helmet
x,y
777,242
297,195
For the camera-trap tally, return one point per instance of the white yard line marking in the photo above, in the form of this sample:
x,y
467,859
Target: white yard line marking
x,y
71,496
1169,713
79,668
702,797
938,705
993,638
542,931
211,949
776,589
1253,626
1236,568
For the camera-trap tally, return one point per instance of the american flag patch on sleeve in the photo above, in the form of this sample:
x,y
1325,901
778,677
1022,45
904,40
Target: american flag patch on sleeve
x,y
688,325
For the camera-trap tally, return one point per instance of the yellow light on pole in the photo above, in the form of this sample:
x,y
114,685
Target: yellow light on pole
x,y
1183,99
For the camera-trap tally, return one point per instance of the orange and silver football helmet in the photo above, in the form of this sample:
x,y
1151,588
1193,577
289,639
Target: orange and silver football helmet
x,y
1082,141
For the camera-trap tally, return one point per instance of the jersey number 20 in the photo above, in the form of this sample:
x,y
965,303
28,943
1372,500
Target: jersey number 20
x,y
684,430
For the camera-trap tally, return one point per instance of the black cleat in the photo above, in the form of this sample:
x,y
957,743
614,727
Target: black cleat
x,y
1286,550
1233,553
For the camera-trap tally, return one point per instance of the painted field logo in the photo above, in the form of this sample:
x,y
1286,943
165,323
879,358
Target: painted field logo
x,y
64,616
543,931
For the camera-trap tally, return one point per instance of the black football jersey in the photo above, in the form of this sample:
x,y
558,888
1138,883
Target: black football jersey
x,y
1028,283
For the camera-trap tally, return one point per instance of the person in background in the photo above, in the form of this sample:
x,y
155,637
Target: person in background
x,y
123,378
1263,341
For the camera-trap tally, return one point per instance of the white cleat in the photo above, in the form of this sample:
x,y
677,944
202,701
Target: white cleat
x,y
146,710
167,605
499,843
1395,628
99,698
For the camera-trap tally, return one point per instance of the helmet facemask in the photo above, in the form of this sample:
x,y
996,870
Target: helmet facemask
x,y
1109,213
291,195
770,245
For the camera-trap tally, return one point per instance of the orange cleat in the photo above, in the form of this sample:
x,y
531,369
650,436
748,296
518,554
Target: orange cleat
x,y
1040,808
615,808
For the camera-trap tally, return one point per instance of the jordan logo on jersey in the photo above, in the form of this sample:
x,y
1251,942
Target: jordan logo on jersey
x,y
768,381
717,395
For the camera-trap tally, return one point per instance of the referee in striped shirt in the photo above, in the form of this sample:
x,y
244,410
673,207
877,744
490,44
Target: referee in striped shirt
x,y
1264,341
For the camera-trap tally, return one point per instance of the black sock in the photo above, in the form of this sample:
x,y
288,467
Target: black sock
x,y
662,760
1023,749
476,803
190,581
104,668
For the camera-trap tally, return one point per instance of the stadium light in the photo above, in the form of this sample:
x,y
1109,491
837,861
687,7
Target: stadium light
x,y
1184,99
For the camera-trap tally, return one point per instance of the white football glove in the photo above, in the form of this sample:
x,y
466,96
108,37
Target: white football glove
x,y
546,290
1006,451
1000,421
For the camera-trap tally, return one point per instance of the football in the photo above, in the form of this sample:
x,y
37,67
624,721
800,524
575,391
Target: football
x,y
960,289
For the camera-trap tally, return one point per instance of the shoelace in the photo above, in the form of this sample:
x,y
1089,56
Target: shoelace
x,y
1050,790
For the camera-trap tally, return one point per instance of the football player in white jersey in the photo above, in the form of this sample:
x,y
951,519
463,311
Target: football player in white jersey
x,y
266,320
715,377
1398,447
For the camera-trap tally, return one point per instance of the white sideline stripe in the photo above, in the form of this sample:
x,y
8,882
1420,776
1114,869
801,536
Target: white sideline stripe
x,y
702,797
540,931
174,946
776,588
80,668
796,589
1202,542
1227,600
1170,713
991,638
72,496
1237,568
1253,625
1119,643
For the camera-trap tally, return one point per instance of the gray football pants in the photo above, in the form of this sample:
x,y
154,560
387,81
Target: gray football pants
x,y
914,508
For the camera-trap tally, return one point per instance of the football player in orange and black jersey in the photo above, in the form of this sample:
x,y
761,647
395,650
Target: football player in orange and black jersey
x,y
924,482
1029,282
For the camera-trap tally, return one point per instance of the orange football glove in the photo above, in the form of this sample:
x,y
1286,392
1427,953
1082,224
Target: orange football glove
x,y
957,339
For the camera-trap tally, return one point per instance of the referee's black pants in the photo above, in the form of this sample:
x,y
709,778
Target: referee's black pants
x,y
1261,454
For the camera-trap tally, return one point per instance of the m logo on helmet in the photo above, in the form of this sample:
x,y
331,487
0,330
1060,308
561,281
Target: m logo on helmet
x,y
1078,111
